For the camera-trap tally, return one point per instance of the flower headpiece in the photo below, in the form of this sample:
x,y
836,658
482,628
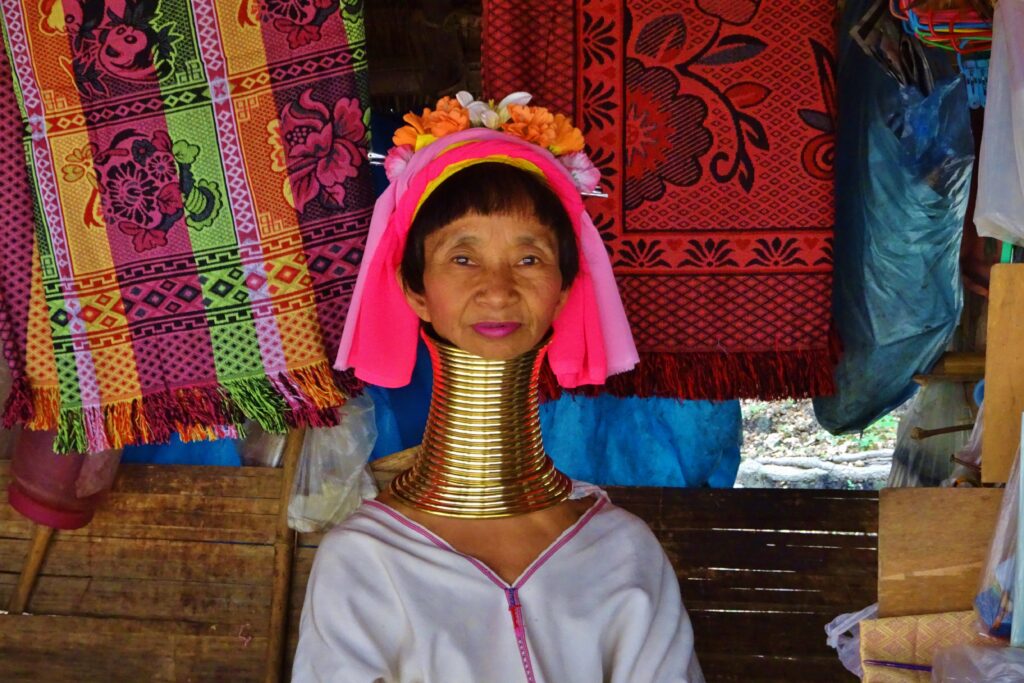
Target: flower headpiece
x,y
513,115
591,338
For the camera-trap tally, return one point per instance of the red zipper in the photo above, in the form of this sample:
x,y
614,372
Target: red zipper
x,y
515,609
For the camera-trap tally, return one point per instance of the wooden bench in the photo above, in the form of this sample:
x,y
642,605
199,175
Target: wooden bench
x,y
172,580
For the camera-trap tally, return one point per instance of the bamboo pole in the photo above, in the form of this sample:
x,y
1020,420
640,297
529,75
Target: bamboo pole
x,y
284,550
30,570
918,433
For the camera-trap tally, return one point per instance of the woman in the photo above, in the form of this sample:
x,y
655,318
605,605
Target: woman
x,y
483,562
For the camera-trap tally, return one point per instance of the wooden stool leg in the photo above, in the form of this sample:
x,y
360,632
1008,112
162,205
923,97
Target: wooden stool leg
x,y
30,570
284,550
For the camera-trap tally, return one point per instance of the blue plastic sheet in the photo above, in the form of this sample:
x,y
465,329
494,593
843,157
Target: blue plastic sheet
x,y
223,452
604,440
903,174
644,441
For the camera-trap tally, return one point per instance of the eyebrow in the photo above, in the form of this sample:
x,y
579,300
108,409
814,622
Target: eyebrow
x,y
468,239
530,241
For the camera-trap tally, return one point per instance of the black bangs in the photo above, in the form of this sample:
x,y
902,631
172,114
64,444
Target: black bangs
x,y
490,188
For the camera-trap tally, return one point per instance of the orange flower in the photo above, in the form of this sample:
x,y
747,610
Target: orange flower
x,y
568,138
449,117
406,135
533,124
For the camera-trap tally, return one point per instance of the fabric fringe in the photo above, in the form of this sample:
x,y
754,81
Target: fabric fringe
x,y
716,376
18,408
349,383
304,397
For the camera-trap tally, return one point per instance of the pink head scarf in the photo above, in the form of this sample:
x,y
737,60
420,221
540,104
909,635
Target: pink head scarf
x,y
591,338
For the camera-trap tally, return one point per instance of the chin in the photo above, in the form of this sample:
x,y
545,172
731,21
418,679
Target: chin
x,y
493,351
499,349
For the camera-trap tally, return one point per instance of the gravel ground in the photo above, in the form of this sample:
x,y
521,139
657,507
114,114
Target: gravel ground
x,y
788,428
784,447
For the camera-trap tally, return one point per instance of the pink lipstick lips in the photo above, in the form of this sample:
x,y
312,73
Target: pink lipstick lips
x,y
496,330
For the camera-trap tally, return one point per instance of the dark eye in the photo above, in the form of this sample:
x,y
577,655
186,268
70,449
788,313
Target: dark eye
x,y
530,260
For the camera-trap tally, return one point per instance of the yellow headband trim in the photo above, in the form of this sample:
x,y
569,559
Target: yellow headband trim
x,y
466,163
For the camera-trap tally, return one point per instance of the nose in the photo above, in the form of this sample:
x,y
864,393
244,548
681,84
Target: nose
x,y
497,287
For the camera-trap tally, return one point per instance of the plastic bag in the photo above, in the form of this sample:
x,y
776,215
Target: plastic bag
x,y
967,460
843,635
928,462
994,601
1000,208
260,448
977,663
903,174
332,477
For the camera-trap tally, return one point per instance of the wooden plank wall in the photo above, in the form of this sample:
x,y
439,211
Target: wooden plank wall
x,y
171,582
763,571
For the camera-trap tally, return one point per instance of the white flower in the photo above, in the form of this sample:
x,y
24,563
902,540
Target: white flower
x,y
488,115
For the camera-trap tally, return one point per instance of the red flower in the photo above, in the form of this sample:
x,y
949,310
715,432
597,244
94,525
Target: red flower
x,y
143,239
665,134
299,35
322,147
168,200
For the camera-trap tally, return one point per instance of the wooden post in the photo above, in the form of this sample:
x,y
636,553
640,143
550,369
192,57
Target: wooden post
x,y
1004,373
30,570
284,551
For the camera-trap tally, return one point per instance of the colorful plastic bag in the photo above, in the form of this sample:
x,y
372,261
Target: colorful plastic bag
x,y
994,601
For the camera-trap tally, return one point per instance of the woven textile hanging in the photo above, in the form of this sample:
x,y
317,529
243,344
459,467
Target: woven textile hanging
x,y
712,124
201,200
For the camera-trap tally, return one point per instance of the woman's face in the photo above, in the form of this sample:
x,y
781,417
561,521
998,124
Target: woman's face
x,y
492,285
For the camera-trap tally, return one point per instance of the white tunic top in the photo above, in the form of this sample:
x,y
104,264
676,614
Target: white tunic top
x,y
388,601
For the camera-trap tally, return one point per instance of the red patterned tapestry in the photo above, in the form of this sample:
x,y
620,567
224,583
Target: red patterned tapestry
x,y
712,124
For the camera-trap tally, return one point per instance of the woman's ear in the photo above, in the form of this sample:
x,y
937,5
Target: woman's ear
x,y
417,302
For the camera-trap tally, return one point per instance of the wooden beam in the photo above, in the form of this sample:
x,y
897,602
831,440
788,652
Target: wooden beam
x,y
284,549
955,366
387,468
1004,373
30,571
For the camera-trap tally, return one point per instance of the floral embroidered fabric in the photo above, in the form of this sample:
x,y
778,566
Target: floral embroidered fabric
x,y
712,125
202,201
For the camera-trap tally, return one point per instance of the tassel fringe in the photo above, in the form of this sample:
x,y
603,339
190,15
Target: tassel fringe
x,y
304,397
716,376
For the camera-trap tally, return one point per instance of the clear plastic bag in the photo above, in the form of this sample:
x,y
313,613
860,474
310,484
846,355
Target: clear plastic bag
x,y
260,448
994,601
976,663
843,635
1000,206
927,462
332,477
967,460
